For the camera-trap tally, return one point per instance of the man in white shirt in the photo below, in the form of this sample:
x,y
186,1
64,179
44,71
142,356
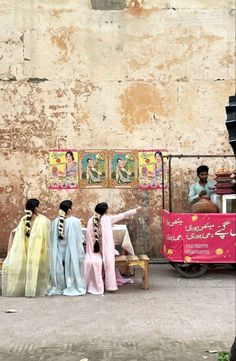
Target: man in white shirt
x,y
203,187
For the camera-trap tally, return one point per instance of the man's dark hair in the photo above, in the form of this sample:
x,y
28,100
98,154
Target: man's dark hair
x,y
202,168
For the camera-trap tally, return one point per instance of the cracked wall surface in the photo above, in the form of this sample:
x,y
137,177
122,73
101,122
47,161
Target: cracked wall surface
x,y
83,74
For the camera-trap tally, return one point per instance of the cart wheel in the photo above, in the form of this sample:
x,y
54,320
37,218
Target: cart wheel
x,y
191,270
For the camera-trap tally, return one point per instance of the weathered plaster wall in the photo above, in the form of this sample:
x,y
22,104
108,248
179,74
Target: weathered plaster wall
x,y
153,74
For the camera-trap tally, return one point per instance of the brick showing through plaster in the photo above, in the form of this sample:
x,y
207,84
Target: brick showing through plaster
x,y
108,4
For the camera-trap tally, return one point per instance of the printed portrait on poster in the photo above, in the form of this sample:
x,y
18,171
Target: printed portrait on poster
x,y
93,168
150,169
63,164
123,169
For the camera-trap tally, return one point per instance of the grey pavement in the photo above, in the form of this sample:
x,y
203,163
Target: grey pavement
x,y
176,319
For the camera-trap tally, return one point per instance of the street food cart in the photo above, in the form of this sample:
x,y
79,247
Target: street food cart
x,y
192,242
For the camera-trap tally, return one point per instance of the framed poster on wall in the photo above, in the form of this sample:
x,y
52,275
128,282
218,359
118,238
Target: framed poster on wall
x,y
123,169
93,165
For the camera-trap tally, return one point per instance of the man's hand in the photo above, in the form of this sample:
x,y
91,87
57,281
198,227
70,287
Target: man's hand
x,y
202,193
139,209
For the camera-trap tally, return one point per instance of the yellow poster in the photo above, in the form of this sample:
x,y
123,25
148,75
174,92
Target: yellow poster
x,y
150,169
63,164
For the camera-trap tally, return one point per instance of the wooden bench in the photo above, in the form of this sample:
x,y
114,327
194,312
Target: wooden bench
x,y
141,261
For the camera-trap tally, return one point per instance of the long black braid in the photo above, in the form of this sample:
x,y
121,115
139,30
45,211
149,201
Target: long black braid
x,y
64,207
100,209
30,206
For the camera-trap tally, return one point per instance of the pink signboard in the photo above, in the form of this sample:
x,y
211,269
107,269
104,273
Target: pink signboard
x,y
205,238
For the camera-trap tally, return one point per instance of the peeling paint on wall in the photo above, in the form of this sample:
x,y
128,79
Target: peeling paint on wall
x,y
139,103
62,39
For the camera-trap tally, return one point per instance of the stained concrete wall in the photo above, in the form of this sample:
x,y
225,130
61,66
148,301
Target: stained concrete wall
x,y
80,73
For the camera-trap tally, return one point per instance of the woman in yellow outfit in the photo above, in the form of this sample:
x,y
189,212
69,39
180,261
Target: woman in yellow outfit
x,y
25,271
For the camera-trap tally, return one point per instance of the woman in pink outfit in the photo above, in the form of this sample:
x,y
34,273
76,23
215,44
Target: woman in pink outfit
x,y
100,272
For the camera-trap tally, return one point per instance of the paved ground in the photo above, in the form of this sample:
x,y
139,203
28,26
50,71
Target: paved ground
x,y
177,319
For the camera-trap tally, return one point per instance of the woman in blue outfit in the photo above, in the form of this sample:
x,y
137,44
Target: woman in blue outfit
x,y
67,254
